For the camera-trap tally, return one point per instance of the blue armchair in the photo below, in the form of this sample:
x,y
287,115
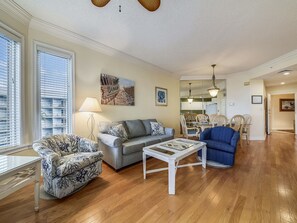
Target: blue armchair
x,y
221,144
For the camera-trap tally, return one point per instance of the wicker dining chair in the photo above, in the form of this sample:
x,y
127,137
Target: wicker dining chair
x,y
237,123
221,120
202,118
188,131
246,127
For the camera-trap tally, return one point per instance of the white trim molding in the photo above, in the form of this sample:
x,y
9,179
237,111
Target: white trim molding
x,y
81,40
12,8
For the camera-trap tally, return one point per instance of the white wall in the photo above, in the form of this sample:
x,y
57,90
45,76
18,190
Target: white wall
x,y
281,120
238,96
257,111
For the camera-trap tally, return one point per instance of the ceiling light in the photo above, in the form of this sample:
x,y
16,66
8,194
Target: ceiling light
x,y
213,91
282,83
286,73
151,5
190,99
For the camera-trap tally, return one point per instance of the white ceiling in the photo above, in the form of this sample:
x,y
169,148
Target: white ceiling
x,y
183,37
275,78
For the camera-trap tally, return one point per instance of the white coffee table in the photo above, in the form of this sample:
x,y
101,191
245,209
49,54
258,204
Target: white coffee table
x,y
18,171
172,155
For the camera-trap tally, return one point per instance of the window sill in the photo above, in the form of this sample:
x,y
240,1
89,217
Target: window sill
x,y
7,151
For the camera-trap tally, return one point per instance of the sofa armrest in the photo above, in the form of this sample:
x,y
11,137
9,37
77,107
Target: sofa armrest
x,y
86,145
205,134
110,140
235,139
169,131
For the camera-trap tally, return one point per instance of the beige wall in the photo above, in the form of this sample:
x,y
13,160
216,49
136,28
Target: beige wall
x,y
281,120
89,65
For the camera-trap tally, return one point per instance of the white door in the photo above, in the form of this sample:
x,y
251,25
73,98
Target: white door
x,y
211,109
268,118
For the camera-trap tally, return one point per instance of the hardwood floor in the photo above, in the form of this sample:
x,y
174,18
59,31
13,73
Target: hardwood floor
x,y
261,187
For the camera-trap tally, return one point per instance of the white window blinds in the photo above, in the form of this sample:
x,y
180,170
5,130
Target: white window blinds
x,y
10,57
55,75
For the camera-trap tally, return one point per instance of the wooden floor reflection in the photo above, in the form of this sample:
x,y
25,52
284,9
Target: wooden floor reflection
x,y
261,187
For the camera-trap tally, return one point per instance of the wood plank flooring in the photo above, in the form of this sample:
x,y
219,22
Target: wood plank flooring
x,y
261,187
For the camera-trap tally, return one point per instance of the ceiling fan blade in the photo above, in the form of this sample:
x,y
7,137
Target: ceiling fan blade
x,y
100,3
151,5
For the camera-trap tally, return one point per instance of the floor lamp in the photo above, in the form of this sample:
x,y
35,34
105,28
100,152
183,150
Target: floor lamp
x,y
90,105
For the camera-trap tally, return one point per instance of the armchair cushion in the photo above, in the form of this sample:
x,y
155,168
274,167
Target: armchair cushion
x,y
74,162
220,146
86,145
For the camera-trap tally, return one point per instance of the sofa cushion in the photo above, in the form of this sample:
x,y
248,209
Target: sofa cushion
x,y
150,140
219,146
157,129
147,125
135,128
119,131
133,146
71,163
164,138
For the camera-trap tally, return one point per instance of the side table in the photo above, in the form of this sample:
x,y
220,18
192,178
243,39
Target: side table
x,y
17,172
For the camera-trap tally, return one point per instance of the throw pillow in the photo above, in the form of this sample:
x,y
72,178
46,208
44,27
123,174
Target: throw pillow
x,y
118,131
157,129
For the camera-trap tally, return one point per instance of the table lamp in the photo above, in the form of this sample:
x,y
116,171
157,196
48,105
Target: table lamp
x,y
90,105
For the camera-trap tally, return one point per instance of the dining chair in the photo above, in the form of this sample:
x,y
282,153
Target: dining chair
x,y
236,123
246,127
188,131
202,118
221,120
212,117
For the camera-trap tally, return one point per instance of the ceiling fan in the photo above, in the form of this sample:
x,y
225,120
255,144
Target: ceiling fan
x,y
150,5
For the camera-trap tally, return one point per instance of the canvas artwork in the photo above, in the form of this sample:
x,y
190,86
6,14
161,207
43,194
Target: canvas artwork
x,y
116,91
161,96
287,104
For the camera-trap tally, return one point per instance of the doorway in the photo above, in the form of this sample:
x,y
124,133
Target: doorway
x,y
281,115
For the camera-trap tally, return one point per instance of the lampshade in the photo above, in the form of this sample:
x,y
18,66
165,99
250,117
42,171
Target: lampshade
x,y
190,100
213,91
90,105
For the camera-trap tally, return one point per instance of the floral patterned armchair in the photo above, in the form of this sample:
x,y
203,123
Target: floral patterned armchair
x,y
68,163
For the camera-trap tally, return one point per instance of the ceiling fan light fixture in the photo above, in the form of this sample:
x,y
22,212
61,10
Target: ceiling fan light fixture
x,y
214,90
150,5
100,3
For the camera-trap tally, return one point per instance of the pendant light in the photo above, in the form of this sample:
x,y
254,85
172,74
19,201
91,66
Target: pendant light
x,y
190,99
213,91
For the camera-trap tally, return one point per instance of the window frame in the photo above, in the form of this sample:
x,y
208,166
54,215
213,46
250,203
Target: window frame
x,y
16,36
36,87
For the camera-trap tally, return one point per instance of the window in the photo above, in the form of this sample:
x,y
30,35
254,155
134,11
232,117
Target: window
x,y
10,69
54,74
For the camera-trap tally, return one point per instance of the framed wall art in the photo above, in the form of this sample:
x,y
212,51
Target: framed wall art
x,y
161,96
256,99
286,105
116,91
